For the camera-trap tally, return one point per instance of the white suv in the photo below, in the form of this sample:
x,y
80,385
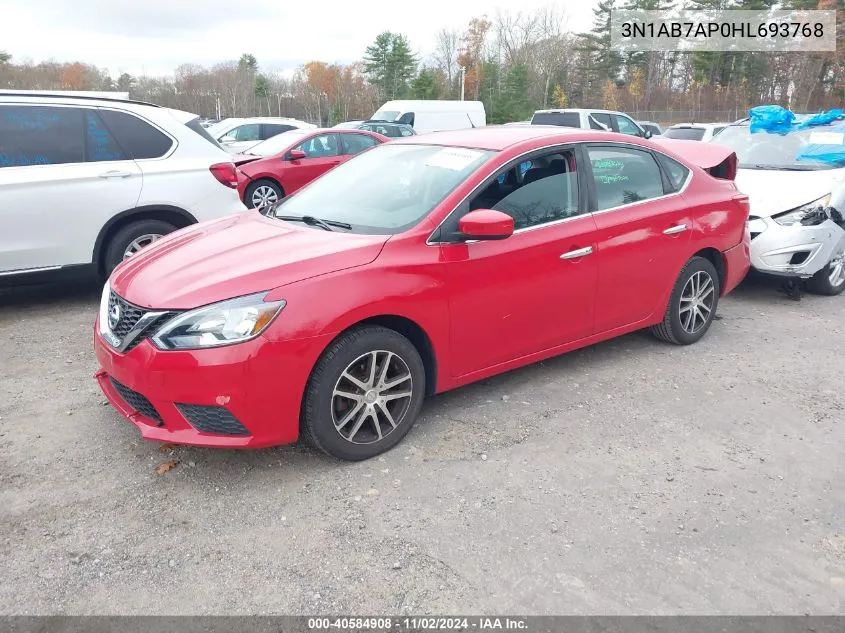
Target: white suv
x,y
239,135
607,120
87,181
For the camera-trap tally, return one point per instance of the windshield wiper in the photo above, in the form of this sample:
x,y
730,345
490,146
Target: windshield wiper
x,y
312,221
784,167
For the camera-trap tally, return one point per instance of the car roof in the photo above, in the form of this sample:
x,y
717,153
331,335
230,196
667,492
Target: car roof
x,y
66,96
501,137
590,110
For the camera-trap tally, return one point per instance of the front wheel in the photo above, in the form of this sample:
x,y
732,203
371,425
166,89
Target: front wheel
x,y
830,280
692,304
364,394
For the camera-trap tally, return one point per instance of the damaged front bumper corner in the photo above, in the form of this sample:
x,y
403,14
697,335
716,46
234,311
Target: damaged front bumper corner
x,y
793,251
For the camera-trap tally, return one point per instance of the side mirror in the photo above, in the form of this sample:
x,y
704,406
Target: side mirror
x,y
228,138
647,134
296,154
485,224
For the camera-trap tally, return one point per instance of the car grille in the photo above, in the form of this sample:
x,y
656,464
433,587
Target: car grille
x,y
137,401
129,317
211,419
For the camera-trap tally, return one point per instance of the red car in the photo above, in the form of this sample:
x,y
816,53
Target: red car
x,y
422,265
286,162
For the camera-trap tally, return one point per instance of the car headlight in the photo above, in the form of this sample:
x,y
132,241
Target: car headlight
x,y
224,323
795,216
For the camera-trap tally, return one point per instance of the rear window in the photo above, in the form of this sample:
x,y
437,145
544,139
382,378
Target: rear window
x,y
685,133
138,138
565,119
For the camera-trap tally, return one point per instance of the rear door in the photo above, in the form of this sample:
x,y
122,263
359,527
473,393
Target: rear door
x,y
323,152
269,130
354,143
643,233
62,177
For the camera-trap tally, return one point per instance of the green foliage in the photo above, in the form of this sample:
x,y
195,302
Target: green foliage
x,y
248,63
4,57
425,85
389,64
262,86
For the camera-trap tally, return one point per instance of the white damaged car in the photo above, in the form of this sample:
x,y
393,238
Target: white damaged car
x,y
795,183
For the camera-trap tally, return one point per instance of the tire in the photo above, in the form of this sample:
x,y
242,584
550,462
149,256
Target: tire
x,y
264,185
121,241
688,327
345,427
822,284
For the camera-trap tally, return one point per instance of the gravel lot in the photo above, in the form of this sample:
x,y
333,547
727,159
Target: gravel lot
x,y
630,477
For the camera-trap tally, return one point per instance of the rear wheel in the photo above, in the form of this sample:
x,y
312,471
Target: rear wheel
x,y
692,305
830,280
132,238
364,394
262,193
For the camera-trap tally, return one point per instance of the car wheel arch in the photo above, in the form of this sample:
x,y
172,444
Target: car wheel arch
x,y
166,213
715,257
272,179
412,331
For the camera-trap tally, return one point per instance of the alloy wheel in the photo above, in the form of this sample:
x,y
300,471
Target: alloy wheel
x,y
263,196
371,397
697,300
140,242
837,270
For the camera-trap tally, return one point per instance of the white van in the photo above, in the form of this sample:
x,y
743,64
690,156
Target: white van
x,y
433,116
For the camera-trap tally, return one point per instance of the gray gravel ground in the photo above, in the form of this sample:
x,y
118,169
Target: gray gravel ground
x,y
630,477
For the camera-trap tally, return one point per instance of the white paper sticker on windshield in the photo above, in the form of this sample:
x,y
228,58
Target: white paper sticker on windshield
x,y
827,138
453,158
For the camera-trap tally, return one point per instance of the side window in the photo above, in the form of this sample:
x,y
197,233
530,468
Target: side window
x,y
100,145
322,146
270,130
624,175
41,135
677,173
717,130
545,191
627,126
407,119
356,143
600,121
250,132
137,138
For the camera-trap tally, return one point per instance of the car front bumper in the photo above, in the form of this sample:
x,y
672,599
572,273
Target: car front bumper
x,y
793,251
246,395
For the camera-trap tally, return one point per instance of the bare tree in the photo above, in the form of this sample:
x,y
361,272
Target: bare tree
x,y
445,56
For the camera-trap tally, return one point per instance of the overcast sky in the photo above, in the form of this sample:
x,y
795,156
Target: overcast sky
x,y
154,36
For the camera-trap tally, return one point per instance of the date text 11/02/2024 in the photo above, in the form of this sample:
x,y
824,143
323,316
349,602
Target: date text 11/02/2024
x,y
721,29
418,624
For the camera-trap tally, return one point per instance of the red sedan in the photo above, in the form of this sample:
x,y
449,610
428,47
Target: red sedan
x,y
422,265
287,162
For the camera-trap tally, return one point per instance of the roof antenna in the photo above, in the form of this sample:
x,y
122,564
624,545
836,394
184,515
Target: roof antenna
x,y
470,119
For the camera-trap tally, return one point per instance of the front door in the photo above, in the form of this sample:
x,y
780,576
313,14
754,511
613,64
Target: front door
x,y
534,290
323,153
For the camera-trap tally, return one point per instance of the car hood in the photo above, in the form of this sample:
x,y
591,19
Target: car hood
x,y
772,191
234,256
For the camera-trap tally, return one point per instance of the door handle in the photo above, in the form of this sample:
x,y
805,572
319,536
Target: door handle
x,y
581,252
673,230
115,174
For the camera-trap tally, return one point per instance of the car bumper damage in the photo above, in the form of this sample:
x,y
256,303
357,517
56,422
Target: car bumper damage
x,y
799,250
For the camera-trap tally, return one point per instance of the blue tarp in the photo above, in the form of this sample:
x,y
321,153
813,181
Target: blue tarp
x,y
828,146
778,120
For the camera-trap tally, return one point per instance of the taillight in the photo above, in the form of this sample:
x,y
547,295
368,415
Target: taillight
x,y
225,174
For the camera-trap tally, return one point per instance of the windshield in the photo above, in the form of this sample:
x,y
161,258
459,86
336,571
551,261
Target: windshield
x,y
686,133
277,144
385,115
765,150
387,189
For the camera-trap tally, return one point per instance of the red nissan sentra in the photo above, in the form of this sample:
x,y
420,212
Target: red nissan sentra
x,y
416,267
287,162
